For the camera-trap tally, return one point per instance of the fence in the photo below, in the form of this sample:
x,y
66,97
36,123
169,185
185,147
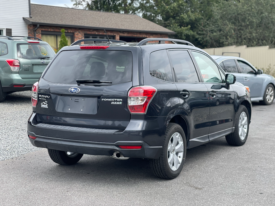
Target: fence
x,y
261,57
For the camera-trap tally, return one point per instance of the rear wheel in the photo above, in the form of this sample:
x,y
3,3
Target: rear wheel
x,y
64,158
3,95
239,136
268,95
171,161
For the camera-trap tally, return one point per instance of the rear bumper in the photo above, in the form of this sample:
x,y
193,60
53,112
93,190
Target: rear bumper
x,y
96,141
8,81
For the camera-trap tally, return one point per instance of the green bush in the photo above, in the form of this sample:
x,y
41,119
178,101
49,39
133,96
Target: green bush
x,y
63,41
269,70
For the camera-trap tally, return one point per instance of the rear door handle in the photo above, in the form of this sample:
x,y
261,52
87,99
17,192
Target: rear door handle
x,y
184,93
245,78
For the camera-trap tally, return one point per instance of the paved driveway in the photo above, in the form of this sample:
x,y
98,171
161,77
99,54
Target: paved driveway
x,y
214,174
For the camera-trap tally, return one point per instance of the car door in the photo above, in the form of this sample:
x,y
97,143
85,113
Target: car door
x,y
193,93
249,77
221,99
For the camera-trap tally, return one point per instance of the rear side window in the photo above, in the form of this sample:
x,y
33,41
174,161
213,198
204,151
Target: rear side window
x,y
35,51
230,66
69,66
183,66
3,48
160,66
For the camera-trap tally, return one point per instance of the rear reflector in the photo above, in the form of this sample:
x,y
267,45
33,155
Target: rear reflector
x,y
22,85
34,94
139,98
94,47
32,137
33,42
130,147
14,64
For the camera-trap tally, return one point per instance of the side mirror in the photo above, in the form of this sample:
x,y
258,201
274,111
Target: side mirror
x,y
230,79
259,71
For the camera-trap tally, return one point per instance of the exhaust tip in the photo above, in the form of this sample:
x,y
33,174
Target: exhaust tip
x,y
117,155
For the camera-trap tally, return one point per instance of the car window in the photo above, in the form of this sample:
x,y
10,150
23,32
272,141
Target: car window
x,y
230,66
183,66
35,51
69,66
209,70
160,66
3,49
245,68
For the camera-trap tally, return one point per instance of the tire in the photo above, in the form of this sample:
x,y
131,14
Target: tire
x,y
3,95
63,158
268,95
239,136
160,167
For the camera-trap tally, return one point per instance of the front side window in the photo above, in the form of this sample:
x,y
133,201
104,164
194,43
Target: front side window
x,y
230,66
183,66
160,66
112,66
3,49
35,51
209,70
245,68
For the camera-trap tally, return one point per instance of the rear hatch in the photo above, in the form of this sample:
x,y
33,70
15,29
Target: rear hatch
x,y
34,58
87,88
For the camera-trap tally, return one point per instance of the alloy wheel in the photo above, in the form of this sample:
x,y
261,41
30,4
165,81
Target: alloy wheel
x,y
243,125
175,151
269,94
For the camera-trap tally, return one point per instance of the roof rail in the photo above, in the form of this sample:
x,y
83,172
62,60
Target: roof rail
x,y
162,40
78,42
27,37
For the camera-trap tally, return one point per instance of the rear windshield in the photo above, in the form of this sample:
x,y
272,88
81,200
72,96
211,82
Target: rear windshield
x,y
69,66
35,51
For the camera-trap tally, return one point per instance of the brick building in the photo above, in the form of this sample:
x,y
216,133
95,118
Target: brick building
x,y
46,22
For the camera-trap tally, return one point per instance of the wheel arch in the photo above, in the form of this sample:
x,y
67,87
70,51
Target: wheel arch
x,y
180,120
248,106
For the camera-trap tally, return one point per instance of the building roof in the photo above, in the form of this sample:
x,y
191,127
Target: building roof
x,y
80,18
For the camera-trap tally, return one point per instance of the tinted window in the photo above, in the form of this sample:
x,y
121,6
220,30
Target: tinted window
x,y
35,51
3,49
183,66
69,66
209,70
245,68
230,66
160,66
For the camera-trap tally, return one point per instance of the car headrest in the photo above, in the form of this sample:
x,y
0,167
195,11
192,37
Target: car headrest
x,y
97,70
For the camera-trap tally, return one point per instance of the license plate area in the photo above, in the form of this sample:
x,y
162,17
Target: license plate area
x,y
76,105
38,68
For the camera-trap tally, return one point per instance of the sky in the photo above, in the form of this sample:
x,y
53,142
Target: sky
x,y
65,3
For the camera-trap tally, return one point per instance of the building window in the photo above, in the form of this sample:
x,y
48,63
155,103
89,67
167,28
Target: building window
x,y
53,38
95,36
2,32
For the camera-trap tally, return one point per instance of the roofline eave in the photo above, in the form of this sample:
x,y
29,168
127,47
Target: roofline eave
x,y
88,27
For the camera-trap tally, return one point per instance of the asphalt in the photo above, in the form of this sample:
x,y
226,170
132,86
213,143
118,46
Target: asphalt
x,y
214,174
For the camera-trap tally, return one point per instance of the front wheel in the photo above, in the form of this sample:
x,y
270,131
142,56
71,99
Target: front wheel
x,y
170,163
268,95
64,158
239,136
2,94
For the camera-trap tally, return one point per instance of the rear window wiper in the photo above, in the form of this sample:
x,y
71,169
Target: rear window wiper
x,y
44,57
83,81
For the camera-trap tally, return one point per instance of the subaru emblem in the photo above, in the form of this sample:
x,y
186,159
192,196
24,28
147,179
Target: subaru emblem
x,y
74,90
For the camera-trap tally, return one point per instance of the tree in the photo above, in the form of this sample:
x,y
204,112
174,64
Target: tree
x,y
117,6
243,22
63,41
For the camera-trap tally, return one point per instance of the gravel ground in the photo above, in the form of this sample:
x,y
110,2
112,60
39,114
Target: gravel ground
x,y
14,113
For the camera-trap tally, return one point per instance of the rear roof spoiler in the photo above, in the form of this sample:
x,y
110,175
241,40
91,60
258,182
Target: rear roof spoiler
x,y
78,42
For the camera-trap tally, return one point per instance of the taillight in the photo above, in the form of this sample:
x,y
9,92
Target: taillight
x,y
33,42
139,98
94,47
34,94
14,64
130,146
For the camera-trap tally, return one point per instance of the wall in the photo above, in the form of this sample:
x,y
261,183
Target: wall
x,y
260,57
79,33
11,15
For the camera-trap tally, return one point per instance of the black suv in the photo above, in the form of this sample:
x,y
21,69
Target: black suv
x,y
139,100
